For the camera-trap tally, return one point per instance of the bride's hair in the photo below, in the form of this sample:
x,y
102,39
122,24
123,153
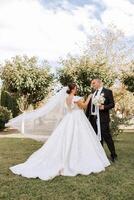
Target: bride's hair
x,y
71,86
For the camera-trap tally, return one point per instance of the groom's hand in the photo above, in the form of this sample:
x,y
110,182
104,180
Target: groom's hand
x,y
101,107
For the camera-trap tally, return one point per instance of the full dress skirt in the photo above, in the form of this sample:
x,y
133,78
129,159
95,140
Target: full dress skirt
x,y
73,148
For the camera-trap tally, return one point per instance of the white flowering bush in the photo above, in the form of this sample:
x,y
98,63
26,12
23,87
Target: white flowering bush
x,y
82,70
25,78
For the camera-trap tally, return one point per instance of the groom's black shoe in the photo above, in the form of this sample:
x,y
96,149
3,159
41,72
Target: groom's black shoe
x,y
113,158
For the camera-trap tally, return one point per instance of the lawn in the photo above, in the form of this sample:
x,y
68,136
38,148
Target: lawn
x,y
116,183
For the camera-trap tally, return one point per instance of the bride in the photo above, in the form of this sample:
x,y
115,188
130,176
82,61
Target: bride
x,y
73,147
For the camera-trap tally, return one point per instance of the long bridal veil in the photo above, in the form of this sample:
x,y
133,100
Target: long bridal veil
x,y
39,124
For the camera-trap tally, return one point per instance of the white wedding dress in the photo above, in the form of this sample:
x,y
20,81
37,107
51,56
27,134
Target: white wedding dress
x,y
73,148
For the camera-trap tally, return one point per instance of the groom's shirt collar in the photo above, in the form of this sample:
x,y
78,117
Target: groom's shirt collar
x,y
99,90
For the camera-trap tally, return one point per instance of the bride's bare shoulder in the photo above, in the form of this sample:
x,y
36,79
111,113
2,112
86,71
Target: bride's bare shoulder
x,y
68,100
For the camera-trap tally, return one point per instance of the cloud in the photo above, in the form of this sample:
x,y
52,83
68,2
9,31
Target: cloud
x,y
31,28
51,30
121,14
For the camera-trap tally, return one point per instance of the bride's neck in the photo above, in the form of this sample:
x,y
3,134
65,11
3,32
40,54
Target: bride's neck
x,y
71,94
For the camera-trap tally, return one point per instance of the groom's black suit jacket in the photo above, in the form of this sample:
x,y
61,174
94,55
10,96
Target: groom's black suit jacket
x,y
104,120
108,104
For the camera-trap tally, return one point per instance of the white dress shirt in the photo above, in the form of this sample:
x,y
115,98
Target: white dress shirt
x,y
98,94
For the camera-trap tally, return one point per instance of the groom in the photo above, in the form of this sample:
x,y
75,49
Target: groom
x,y
99,117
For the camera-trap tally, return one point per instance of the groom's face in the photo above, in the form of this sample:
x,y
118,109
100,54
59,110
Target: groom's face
x,y
95,84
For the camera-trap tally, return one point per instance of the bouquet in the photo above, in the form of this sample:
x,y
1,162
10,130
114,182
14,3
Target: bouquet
x,y
99,100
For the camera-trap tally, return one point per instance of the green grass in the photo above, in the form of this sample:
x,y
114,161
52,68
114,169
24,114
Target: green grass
x,y
116,183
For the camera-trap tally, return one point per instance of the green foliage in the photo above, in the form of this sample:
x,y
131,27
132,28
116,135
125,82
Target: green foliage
x,y
128,80
26,79
5,115
82,70
116,122
9,101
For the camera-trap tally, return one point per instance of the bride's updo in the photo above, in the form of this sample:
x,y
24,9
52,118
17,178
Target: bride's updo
x,y
71,86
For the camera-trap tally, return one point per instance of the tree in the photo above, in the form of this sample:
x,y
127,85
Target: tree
x,y
9,101
82,70
124,101
128,79
105,54
26,79
129,82
111,44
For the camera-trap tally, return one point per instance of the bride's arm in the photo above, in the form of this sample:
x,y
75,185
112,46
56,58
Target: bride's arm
x,y
83,104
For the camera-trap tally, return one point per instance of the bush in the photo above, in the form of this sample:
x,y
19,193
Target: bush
x,y
128,80
5,115
115,123
9,101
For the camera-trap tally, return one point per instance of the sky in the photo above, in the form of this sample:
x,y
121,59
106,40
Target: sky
x,y
52,29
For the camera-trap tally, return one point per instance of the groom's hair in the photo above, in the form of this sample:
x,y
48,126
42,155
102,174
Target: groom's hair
x,y
97,79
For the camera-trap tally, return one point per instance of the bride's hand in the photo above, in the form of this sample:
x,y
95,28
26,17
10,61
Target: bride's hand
x,y
90,95
83,104
88,98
